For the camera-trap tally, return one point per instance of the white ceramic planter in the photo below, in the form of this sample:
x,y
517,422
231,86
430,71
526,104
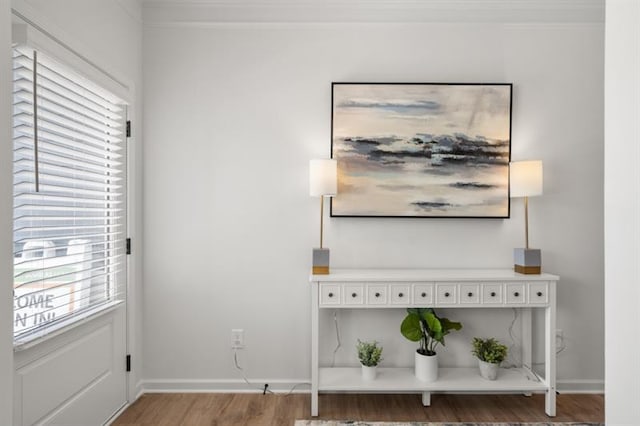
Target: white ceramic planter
x,y
426,368
488,370
369,373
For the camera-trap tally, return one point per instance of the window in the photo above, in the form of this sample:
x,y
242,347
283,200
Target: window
x,y
69,196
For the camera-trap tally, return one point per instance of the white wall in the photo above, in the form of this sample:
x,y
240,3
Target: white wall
x,y
233,113
622,211
6,225
109,35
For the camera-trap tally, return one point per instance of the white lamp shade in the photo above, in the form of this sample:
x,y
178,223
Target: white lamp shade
x,y
323,178
525,178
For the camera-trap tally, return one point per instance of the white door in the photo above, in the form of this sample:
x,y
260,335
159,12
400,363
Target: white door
x,y
70,228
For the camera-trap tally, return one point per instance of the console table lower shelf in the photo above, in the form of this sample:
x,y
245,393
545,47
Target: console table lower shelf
x,y
457,379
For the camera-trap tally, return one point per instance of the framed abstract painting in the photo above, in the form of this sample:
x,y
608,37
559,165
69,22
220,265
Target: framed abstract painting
x,y
421,149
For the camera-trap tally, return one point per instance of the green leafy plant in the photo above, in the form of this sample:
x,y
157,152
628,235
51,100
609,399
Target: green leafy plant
x,y
423,325
370,353
489,350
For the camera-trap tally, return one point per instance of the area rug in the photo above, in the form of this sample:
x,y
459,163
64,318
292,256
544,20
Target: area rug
x,y
358,423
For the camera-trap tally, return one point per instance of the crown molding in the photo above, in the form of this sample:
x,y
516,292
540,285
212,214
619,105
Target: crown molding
x,y
372,11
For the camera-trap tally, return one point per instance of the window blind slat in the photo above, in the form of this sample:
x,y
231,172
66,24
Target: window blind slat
x,y
33,207
28,176
56,131
24,153
50,113
73,256
25,165
58,272
26,240
67,154
60,175
56,198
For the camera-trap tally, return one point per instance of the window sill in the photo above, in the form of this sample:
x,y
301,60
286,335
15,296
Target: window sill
x,y
26,342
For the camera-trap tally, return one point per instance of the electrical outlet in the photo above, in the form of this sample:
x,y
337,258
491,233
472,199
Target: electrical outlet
x,y
237,338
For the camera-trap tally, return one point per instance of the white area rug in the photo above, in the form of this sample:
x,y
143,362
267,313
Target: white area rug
x,y
357,423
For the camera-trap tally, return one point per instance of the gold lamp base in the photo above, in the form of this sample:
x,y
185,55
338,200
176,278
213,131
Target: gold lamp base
x,y
532,270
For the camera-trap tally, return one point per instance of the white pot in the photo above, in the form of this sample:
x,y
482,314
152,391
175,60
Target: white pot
x,y
368,373
426,367
488,370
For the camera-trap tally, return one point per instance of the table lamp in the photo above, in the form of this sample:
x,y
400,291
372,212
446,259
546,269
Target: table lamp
x,y
323,182
526,181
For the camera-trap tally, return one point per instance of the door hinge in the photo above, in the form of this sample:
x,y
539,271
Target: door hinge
x,y
128,245
128,128
128,362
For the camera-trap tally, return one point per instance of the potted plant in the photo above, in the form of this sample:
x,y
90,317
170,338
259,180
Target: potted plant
x,y
370,355
490,354
424,326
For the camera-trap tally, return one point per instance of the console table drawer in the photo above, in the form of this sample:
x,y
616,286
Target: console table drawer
x,y
446,294
538,293
423,294
330,294
469,294
400,294
492,294
377,294
515,294
353,294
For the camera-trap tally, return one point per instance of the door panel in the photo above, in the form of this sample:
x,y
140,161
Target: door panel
x,y
77,378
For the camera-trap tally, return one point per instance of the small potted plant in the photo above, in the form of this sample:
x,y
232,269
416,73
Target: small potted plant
x,y
424,326
490,354
370,355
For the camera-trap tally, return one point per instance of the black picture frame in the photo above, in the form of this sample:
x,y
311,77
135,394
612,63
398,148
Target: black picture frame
x,y
421,150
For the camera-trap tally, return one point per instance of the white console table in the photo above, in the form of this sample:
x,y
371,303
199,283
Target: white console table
x,y
438,288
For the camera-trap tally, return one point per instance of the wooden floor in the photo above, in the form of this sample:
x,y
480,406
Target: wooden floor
x,y
278,409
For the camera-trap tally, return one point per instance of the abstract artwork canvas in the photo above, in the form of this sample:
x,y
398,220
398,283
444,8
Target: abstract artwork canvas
x,y
421,149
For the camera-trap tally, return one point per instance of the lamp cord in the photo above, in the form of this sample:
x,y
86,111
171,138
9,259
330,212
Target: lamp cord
x,y
339,343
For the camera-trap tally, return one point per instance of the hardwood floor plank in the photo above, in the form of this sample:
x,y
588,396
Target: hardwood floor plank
x,y
220,409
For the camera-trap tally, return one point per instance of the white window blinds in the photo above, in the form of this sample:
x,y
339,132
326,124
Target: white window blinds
x,y
69,196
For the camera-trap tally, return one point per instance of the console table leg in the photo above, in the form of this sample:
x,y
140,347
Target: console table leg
x,y
550,403
550,353
526,340
426,399
314,403
315,331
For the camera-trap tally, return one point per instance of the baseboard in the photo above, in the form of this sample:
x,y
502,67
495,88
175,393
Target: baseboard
x,y
580,386
298,386
138,390
222,386
117,414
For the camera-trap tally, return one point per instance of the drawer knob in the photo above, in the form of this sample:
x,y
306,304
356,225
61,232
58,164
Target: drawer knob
x,y
354,294
423,294
377,294
446,294
400,295
539,294
516,294
493,294
330,294
470,294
